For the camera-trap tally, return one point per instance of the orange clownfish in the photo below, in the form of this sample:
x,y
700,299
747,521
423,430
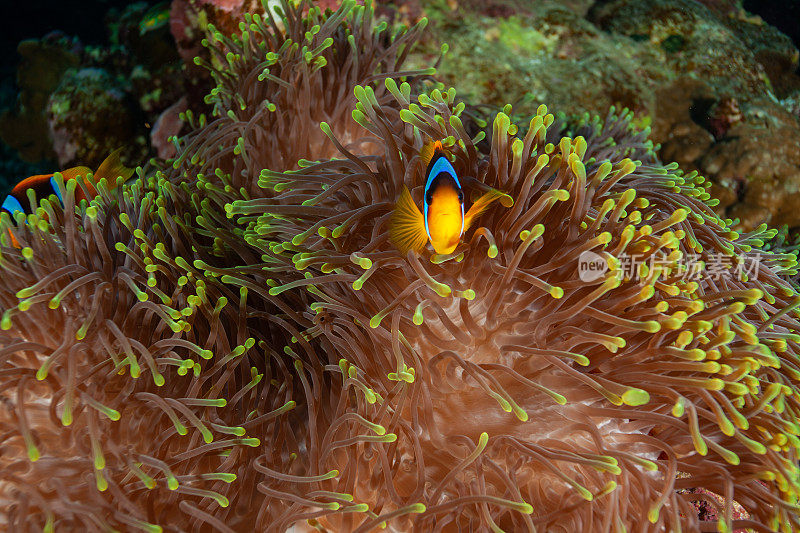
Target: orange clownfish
x,y
442,220
45,184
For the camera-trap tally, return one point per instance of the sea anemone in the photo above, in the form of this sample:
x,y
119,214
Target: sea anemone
x,y
232,343
282,76
502,388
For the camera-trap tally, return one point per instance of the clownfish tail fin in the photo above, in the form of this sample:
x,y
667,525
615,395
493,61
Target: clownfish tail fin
x,y
407,226
112,168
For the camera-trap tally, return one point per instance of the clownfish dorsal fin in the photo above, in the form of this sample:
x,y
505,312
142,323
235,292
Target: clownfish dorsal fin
x,y
112,168
430,148
74,172
407,227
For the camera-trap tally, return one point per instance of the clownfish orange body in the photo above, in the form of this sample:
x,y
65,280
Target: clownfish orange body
x,y
43,185
442,221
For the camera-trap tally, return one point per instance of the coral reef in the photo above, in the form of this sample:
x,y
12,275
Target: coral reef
x,y
89,115
641,54
743,64
230,342
75,101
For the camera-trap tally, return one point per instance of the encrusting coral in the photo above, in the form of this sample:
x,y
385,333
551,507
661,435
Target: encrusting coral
x,y
232,343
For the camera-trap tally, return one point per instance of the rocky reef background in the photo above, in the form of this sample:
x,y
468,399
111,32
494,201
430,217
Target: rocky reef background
x,y
715,80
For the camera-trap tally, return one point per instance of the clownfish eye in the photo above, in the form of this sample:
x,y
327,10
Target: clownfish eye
x,y
429,197
461,196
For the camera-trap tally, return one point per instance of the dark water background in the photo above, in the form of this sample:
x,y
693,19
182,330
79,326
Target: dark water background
x,y
32,19
783,14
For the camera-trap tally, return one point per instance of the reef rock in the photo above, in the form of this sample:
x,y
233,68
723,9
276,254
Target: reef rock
x,y
90,115
703,75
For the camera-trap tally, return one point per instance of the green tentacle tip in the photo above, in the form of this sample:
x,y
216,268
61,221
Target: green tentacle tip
x,y
635,397
27,292
66,416
220,476
417,318
468,294
647,464
251,441
523,507
81,333
653,512
5,322
102,484
221,500
442,289
358,508
492,251
557,292
172,482
585,493
150,528
33,452
651,326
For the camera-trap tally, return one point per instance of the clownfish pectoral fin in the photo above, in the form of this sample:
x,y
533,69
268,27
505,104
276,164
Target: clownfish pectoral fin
x,y
427,151
483,203
407,226
112,168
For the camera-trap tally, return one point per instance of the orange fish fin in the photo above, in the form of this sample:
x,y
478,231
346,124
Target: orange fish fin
x,y
483,203
112,168
426,154
14,242
74,173
407,227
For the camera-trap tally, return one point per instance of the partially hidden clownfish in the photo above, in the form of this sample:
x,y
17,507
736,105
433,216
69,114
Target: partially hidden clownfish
x,y
442,220
43,185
